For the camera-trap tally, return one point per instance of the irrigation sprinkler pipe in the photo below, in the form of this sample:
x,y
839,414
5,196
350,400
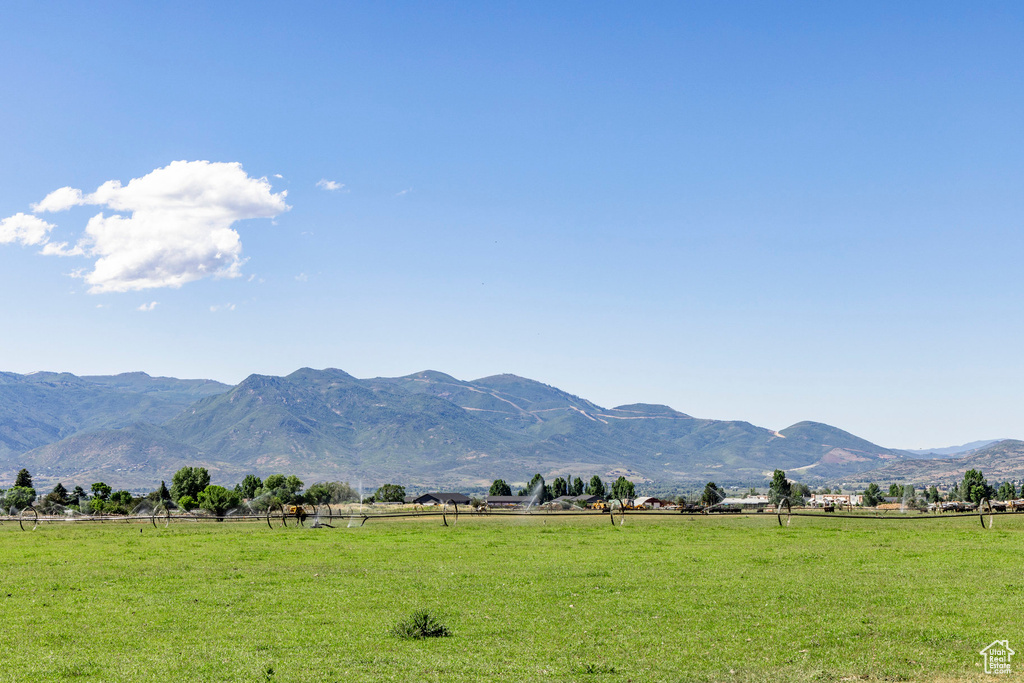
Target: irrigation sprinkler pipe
x,y
789,512
35,518
986,509
611,513
156,510
986,503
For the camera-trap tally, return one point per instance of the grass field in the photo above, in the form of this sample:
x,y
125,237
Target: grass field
x,y
667,598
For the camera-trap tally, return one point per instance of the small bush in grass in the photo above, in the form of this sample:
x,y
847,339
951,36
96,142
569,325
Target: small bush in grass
x,y
420,624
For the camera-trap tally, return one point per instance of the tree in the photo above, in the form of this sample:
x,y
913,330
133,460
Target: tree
x,y
189,481
120,502
895,491
187,502
623,488
331,492
390,493
499,488
24,479
910,495
59,495
101,491
281,488
974,487
274,482
712,494
933,495
596,487
19,497
162,494
559,487
779,489
537,488
1007,491
293,484
577,487
249,486
79,494
872,495
217,500
124,498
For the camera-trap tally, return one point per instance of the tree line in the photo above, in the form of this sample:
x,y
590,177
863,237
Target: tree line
x,y
621,488
190,489
974,488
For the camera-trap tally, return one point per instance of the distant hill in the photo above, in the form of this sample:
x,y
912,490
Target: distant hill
x,y
427,429
44,407
1000,461
951,451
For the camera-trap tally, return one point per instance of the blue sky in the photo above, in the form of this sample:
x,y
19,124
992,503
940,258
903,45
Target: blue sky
x,y
760,211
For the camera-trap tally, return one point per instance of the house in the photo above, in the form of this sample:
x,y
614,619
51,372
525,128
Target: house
x,y
652,503
754,502
441,498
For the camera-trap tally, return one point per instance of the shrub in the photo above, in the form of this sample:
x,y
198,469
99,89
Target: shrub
x,y
112,508
420,624
390,493
19,497
187,503
217,500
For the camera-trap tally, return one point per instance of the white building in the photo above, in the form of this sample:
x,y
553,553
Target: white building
x,y
823,499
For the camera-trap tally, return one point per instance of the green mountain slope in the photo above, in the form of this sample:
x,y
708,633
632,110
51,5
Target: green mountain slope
x,y
836,453
45,407
427,428
120,457
328,423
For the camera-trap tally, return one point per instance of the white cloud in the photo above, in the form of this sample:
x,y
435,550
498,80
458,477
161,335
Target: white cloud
x,y
148,307
62,249
24,228
301,277
222,307
404,192
329,185
170,227
61,199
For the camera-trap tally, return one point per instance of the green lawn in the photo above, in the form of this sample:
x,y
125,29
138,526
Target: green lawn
x,y
666,598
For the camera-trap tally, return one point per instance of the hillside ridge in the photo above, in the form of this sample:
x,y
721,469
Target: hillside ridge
x,y
428,428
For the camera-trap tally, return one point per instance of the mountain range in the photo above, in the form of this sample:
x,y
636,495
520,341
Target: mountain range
x,y
998,461
428,429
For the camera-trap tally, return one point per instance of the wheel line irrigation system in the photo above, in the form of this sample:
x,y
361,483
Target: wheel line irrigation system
x,y
29,518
